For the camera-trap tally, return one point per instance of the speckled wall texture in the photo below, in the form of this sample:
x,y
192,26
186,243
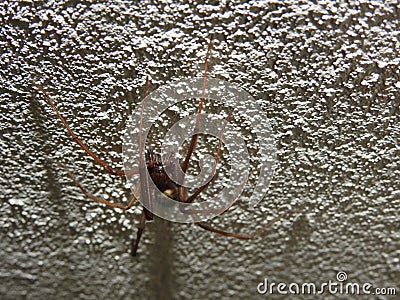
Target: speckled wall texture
x,y
327,75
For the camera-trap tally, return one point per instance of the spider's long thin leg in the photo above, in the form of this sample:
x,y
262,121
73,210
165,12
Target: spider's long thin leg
x,y
196,128
195,194
142,223
203,187
144,183
244,236
181,189
106,167
219,210
97,199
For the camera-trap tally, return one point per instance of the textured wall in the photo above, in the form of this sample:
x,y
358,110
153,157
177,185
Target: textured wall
x,y
326,74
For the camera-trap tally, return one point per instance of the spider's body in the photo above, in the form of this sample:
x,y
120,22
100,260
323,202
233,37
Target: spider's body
x,y
157,171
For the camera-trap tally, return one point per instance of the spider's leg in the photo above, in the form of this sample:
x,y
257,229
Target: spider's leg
x,y
196,128
144,184
219,210
202,188
244,236
181,189
97,199
146,192
106,167
142,223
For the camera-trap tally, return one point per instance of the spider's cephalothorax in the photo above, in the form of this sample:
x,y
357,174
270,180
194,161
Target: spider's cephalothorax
x,y
157,171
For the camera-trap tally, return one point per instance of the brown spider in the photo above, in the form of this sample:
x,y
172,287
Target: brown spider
x,y
157,170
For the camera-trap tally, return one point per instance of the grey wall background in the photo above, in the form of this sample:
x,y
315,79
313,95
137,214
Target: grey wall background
x,y
326,73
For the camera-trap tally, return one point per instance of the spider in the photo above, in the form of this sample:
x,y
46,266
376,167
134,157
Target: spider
x,y
154,165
